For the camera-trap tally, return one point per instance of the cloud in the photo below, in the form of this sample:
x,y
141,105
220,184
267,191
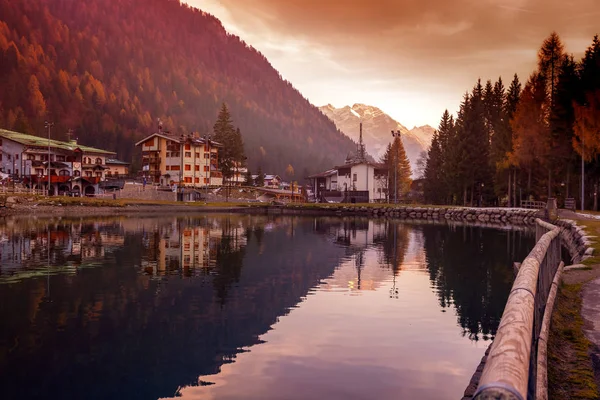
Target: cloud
x,y
439,45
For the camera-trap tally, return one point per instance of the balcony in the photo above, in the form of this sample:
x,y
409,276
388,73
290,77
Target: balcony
x,y
53,179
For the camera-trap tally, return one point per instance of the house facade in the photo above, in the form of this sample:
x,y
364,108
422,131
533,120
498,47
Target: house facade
x,y
356,182
69,166
116,168
183,160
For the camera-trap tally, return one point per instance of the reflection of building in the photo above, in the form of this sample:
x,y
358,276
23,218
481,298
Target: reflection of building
x,y
72,167
181,248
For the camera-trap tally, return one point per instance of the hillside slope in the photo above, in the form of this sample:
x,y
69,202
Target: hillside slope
x,y
109,69
377,127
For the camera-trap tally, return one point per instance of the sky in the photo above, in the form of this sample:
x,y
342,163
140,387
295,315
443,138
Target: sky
x,y
411,58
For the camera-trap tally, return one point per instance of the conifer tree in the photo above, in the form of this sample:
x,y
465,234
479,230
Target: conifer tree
x,y
260,178
248,179
232,152
433,190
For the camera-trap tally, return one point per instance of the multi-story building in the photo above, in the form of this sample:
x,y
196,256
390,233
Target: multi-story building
x,y
184,160
116,168
70,166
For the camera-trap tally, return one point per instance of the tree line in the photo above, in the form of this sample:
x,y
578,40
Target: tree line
x,y
525,141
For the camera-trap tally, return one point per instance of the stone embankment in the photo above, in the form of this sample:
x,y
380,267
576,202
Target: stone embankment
x,y
498,216
575,240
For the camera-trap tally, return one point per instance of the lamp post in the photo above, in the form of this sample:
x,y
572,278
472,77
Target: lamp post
x,y
582,172
396,135
48,126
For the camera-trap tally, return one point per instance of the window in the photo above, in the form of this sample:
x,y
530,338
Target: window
x,y
206,155
206,168
174,167
60,158
39,171
188,154
16,156
168,168
197,168
9,158
188,179
31,157
88,174
108,173
99,161
149,142
168,154
197,155
99,174
188,167
76,173
64,172
197,180
354,178
175,154
205,180
0,142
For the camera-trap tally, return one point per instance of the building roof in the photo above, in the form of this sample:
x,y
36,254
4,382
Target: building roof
x,y
180,139
36,141
114,161
325,174
352,164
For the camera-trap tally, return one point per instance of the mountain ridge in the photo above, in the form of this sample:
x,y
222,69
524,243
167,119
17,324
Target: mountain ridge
x,y
110,79
377,127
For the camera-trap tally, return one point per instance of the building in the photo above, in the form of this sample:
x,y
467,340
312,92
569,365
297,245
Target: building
x,y
71,166
271,181
116,168
353,182
184,160
356,181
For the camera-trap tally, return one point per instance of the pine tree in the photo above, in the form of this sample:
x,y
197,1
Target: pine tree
x,y
231,154
260,178
433,171
248,179
550,57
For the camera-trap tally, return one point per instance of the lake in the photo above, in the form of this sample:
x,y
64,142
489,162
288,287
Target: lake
x,y
248,306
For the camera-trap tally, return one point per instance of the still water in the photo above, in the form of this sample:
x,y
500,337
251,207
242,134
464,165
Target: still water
x,y
247,307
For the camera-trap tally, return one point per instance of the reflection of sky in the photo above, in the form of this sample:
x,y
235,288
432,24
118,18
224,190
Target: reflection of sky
x,y
339,346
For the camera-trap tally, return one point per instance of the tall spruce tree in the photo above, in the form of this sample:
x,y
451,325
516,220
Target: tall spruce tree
x,y
231,154
434,169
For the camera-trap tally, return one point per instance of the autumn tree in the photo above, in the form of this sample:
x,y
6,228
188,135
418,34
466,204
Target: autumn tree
x,y
530,140
398,165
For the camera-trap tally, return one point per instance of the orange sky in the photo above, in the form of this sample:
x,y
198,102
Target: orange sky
x,y
411,58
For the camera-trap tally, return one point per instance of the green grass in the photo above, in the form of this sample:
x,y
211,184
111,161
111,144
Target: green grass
x,y
570,370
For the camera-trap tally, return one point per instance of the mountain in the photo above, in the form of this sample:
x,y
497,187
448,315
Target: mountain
x,y
109,69
377,127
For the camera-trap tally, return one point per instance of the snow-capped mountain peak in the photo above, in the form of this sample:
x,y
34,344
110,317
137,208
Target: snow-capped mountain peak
x,y
377,126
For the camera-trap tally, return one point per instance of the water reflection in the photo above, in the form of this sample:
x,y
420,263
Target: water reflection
x,y
203,306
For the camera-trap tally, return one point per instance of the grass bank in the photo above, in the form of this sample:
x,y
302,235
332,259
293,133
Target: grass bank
x,y
570,367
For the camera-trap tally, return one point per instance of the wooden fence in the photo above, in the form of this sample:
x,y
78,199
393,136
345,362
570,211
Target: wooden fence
x,y
8,190
511,370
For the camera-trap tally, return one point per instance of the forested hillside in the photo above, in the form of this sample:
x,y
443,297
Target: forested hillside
x,y
109,69
526,140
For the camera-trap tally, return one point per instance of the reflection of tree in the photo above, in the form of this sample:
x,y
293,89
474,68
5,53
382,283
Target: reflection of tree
x,y
394,245
471,269
229,262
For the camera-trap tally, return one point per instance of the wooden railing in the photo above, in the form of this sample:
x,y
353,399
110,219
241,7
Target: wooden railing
x,y
512,370
538,205
21,190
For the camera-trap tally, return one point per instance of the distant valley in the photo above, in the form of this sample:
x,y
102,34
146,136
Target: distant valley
x,y
377,127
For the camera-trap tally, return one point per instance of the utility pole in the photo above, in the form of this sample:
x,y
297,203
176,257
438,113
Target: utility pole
x,y
48,126
582,172
396,135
